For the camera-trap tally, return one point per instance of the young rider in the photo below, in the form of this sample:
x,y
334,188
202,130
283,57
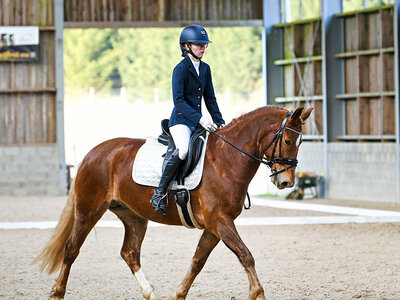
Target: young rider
x,y
191,81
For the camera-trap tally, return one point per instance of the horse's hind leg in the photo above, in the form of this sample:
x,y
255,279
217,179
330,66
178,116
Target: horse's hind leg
x,y
135,230
206,244
85,219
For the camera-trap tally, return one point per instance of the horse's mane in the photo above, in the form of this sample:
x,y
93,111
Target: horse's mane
x,y
252,114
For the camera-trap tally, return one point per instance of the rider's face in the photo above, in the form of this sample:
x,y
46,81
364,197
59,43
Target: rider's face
x,y
198,49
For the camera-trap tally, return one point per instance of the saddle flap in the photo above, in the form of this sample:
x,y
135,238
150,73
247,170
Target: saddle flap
x,y
165,136
196,143
194,153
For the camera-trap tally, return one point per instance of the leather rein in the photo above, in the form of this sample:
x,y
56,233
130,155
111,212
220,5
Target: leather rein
x,y
292,162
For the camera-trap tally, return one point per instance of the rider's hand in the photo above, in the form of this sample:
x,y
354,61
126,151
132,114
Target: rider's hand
x,y
207,124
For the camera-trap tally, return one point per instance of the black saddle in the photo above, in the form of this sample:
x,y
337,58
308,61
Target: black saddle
x,y
196,143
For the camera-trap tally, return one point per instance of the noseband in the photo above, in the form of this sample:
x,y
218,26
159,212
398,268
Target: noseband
x,y
292,162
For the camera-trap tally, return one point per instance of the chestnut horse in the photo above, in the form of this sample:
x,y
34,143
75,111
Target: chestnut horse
x,y
104,181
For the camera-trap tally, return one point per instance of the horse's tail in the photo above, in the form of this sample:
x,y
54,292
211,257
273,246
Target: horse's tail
x,y
53,254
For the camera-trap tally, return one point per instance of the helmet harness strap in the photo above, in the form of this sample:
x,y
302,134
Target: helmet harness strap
x,y
185,51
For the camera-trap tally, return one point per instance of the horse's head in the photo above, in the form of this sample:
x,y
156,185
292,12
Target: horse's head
x,y
281,149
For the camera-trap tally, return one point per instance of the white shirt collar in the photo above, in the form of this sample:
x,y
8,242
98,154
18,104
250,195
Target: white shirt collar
x,y
196,65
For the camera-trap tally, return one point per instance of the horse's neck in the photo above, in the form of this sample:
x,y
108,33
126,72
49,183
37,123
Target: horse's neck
x,y
244,134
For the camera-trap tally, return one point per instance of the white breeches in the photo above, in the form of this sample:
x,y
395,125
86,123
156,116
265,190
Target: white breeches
x,y
181,135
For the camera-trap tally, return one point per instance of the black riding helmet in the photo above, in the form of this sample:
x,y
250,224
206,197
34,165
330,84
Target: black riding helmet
x,y
192,34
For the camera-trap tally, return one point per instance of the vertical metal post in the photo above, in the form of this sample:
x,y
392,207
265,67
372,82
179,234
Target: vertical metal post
x,y
59,71
397,86
272,49
288,11
332,73
301,10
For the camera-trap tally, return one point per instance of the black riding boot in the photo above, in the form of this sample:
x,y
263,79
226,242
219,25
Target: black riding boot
x,y
168,175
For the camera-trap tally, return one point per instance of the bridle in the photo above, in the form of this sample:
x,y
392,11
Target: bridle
x,y
277,139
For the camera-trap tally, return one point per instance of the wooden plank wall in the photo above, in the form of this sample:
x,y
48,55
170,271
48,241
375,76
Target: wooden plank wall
x,y
300,36
160,10
369,60
27,90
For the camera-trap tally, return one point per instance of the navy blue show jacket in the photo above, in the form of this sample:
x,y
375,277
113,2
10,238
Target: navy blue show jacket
x,y
187,89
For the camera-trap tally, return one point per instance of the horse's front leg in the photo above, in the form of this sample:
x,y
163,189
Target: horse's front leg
x,y
226,231
206,244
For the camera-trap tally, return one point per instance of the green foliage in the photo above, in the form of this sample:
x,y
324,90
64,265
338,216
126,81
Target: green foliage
x,y
89,59
311,7
235,57
147,58
142,59
351,5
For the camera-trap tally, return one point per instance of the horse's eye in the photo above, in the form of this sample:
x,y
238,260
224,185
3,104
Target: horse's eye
x,y
287,142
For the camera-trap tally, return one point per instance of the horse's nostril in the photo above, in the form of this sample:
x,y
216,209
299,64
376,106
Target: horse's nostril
x,y
286,184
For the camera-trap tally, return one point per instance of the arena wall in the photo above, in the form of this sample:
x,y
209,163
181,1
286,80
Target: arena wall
x,y
363,171
31,105
357,171
30,170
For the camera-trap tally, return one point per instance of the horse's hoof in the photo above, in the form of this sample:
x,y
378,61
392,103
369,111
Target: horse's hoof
x,y
153,296
56,294
150,295
178,297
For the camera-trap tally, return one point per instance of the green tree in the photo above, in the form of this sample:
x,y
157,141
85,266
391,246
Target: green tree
x,y
89,59
143,59
235,57
311,7
147,57
351,5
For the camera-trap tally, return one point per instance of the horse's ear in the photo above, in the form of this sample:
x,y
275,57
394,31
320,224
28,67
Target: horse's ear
x,y
296,115
304,116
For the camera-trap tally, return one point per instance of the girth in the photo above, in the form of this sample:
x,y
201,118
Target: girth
x,y
194,152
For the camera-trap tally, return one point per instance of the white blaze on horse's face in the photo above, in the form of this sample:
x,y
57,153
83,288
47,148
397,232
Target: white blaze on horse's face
x,y
283,180
298,141
286,179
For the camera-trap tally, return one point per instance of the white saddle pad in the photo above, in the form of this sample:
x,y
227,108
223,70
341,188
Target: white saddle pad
x,y
147,167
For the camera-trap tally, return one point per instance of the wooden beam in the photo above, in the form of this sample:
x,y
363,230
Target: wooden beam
x,y
366,137
161,10
47,28
365,95
28,90
372,9
183,23
298,22
299,98
365,52
289,61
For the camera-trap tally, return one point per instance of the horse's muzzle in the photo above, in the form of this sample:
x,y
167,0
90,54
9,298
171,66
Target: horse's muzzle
x,y
282,181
